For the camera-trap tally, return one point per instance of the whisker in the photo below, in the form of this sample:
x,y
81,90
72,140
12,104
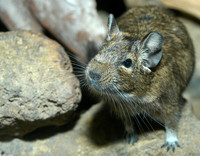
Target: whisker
x,y
129,116
123,114
79,75
139,124
148,123
144,122
128,101
76,58
78,65
142,110
81,72
83,83
131,109
146,113
78,69
113,101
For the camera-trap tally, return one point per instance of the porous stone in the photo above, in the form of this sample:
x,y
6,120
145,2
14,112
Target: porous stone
x,y
37,87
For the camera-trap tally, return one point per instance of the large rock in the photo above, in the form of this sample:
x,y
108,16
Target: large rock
x,y
75,23
37,87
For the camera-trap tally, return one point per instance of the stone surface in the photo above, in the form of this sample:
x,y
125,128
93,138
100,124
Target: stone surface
x,y
75,23
191,7
133,3
37,87
193,91
17,16
99,134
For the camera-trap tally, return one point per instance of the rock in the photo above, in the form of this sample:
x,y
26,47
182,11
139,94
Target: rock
x,y
37,87
133,3
97,133
16,16
75,23
193,91
191,7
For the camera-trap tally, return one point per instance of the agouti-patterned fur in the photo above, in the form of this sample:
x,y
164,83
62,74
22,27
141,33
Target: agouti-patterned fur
x,y
144,66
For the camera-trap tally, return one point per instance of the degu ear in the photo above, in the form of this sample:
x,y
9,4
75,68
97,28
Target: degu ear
x,y
112,27
150,52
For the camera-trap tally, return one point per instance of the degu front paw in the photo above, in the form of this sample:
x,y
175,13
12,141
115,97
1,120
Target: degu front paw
x,y
171,145
171,140
131,138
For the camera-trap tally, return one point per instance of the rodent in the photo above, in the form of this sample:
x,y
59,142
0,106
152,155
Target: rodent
x,y
143,66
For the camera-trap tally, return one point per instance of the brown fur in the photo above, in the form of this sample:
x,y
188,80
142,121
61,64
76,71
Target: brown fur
x,y
158,92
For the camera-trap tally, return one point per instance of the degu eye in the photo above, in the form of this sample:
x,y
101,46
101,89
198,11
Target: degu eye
x,y
127,63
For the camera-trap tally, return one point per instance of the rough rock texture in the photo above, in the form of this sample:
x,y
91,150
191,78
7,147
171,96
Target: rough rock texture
x,y
193,91
98,134
76,23
37,87
17,16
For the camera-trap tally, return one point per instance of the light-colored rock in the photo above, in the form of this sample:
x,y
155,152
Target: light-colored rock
x,y
16,15
37,87
191,7
75,23
193,91
133,3
99,134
